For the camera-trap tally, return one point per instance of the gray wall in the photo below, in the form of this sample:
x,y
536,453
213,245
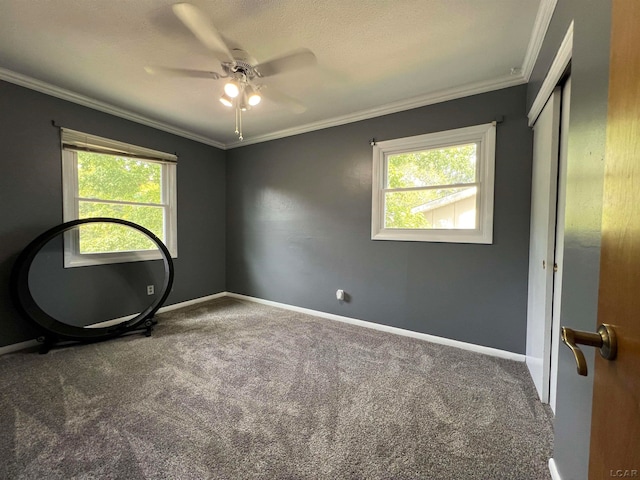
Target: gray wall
x,y
91,294
31,193
299,227
299,216
589,72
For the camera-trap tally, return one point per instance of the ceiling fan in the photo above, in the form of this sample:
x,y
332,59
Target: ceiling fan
x,y
242,72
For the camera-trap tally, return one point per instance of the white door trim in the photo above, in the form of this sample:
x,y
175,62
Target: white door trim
x,y
559,249
553,470
557,69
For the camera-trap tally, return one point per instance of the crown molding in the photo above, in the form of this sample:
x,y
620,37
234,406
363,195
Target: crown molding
x,y
540,27
54,91
395,107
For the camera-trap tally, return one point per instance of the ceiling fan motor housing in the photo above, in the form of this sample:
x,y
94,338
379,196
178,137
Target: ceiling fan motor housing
x,y
240,67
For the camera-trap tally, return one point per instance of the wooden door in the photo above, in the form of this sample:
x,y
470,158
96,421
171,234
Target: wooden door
x,y
615,427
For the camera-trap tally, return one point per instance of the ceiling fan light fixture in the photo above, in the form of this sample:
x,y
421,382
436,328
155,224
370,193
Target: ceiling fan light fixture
x,y
254,99
252,96
232,89
226,100
238,67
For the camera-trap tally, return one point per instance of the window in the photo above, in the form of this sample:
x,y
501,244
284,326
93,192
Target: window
x,y
436,187
106,178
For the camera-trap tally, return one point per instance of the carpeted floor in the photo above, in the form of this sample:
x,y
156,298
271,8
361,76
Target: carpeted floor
x,y
233,390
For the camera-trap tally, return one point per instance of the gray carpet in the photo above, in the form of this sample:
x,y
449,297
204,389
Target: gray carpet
x,y
232,390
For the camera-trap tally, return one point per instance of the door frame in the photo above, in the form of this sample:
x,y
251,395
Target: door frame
x,y
565,112
554,76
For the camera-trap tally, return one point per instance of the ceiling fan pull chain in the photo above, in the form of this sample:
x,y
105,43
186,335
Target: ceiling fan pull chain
x,y
238,66
237,110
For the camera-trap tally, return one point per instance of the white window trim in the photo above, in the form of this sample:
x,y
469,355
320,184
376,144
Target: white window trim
x,y
485,137
70,212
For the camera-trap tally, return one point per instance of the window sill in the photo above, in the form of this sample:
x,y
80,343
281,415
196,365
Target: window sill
x,y
448,236
86,260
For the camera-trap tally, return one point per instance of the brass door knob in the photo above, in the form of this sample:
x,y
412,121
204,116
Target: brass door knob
x,y
605,340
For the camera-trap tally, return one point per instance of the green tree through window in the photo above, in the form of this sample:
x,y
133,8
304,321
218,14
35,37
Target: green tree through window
x,y
118,187
429,168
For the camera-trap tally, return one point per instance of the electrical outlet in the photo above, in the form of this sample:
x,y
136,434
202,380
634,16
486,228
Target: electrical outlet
x,y
150,289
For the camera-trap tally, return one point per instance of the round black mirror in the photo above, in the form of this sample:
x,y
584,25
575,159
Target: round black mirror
x,y
92,279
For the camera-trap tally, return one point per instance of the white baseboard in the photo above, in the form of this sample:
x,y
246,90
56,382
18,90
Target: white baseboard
x,y
32,343
168,308
494,352
195,301
15,347
109,323
555,475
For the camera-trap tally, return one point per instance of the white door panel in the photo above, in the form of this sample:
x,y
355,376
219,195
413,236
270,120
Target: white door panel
x,y
541,243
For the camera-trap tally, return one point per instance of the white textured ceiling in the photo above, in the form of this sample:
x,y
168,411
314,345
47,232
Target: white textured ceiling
x,y
372,55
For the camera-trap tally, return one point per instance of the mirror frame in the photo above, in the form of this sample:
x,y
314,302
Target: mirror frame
x,y
27,306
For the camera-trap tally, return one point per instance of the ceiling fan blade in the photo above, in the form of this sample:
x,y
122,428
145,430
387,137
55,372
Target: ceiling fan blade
x,y
180,72
203,29
282,98
286,63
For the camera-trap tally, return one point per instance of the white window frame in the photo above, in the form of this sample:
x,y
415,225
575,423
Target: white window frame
x,y
71,198
484,136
